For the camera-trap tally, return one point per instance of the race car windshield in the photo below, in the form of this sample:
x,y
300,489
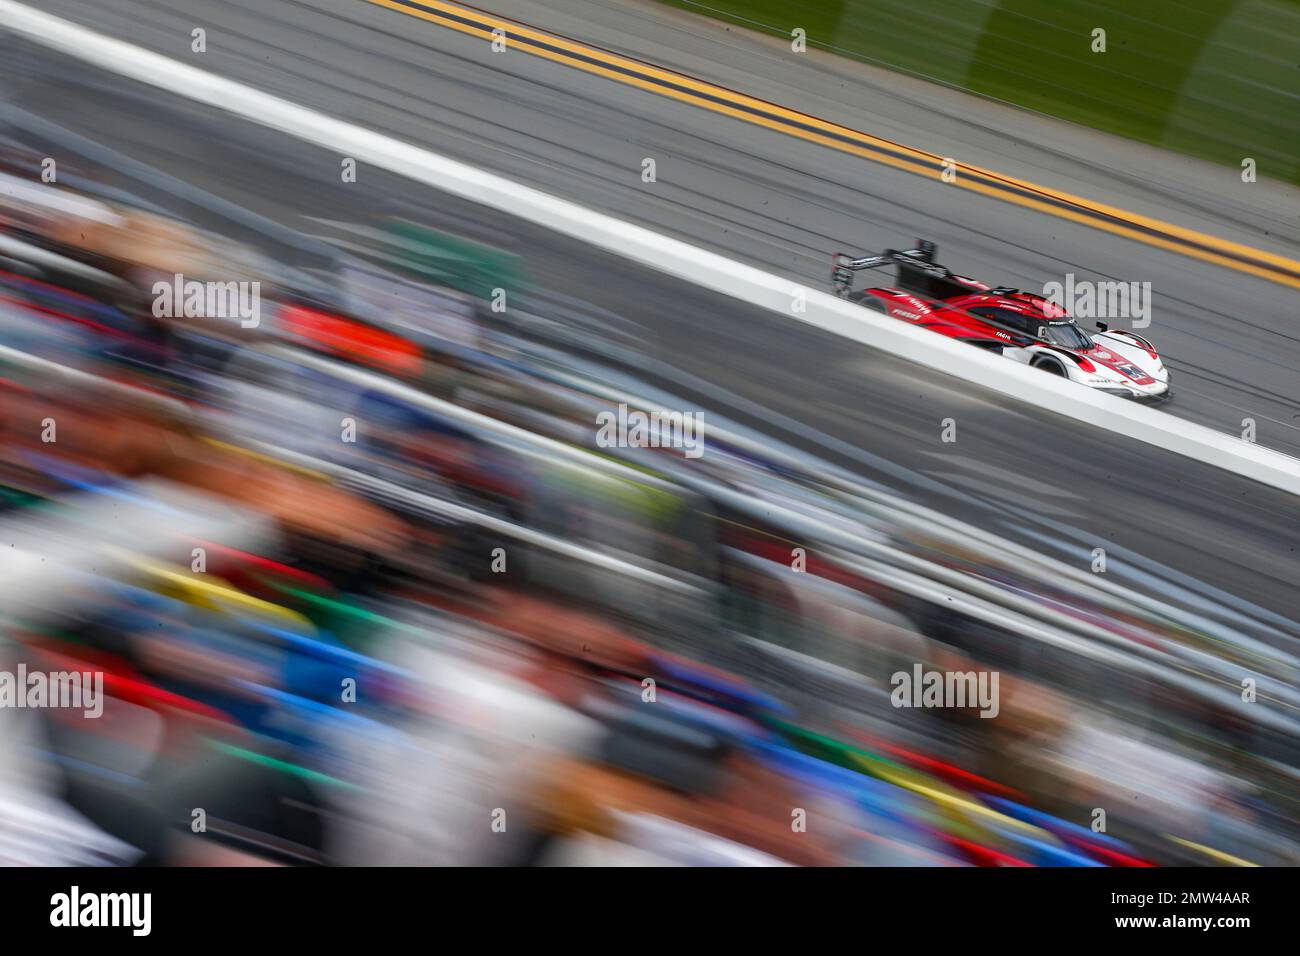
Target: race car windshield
x,y
1067,334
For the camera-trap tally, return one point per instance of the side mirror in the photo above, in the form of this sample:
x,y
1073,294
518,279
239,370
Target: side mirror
x,y
1103,326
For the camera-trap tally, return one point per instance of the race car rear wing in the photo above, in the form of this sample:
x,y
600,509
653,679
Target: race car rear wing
x,y
917,271
845,265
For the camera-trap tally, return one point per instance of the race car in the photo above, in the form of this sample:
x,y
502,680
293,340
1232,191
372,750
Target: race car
x,y
1022,326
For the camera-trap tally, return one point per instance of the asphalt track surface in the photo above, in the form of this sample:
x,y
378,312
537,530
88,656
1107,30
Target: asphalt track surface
x,y
1233,340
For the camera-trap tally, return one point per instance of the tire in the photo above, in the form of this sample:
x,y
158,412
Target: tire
x,y
1051,367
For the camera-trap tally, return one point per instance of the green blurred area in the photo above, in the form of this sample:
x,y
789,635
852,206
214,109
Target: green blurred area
x,y
1218,79
443,259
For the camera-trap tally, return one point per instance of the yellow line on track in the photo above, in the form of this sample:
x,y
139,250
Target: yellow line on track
x,y
654,79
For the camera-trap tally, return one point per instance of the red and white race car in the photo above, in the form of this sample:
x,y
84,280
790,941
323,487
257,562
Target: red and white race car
x,y
1023,326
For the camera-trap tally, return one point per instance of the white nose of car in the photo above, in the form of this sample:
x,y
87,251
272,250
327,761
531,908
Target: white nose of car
x,y
1138,371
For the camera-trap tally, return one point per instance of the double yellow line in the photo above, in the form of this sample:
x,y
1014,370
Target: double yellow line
x,y
687,89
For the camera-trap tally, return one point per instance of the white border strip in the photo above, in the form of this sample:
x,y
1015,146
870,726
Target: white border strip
x,y
680,259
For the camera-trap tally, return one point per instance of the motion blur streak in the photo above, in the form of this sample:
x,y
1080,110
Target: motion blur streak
x,y
665,253
647,77
364,580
